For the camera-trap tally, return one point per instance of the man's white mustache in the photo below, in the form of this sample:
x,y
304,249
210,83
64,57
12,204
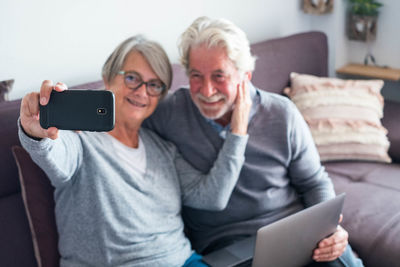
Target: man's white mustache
x,y
211,99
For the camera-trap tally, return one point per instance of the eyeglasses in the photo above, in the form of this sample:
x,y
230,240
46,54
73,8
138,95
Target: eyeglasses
x,y
133,81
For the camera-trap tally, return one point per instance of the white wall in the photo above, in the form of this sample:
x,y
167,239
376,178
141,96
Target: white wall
x,y
334,26
386,47
69,40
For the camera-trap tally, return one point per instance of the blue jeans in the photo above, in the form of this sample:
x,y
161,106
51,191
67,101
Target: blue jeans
x,y
346,260
194,261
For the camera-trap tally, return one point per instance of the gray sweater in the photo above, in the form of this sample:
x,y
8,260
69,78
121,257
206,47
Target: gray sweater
x,y
281,174
106,217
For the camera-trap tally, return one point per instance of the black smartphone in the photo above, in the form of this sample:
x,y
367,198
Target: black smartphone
x,y
85,110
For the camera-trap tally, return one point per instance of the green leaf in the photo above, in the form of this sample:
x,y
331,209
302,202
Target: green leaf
x,y
365,7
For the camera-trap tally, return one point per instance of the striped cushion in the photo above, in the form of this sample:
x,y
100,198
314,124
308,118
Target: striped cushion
x,y
344,116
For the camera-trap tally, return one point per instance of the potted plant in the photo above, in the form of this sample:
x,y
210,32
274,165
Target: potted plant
x,y
363,19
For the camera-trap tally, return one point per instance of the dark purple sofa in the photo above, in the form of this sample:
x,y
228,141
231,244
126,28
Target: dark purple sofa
x,y
372,208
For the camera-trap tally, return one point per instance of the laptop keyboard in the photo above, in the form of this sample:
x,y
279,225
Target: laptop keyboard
x,y
240,253
244,248
246,263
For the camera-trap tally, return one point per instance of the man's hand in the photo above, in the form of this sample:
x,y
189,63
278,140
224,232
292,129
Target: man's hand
x,y
29,112
332,247
240,115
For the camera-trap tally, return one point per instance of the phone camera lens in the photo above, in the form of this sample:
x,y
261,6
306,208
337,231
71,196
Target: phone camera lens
x,y
101,111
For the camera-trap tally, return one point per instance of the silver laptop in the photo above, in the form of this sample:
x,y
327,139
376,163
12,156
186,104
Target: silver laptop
x,y
287,242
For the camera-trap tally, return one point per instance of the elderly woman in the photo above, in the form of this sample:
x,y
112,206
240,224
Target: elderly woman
x,y
119,194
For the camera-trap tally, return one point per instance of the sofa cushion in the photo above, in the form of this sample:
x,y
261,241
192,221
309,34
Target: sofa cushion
x,y
37,193
16,247
343,116
371,212
390,122
15,239
9,112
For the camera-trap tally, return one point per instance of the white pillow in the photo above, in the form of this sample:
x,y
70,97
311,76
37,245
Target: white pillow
x,y
343,116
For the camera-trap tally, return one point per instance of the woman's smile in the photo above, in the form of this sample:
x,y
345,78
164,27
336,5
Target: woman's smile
x,y
135,103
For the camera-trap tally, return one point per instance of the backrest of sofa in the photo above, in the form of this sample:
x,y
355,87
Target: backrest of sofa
x,y
391,111
303,53
16,247
276,58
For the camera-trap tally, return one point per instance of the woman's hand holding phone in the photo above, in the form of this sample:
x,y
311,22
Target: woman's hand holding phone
x,y
29,112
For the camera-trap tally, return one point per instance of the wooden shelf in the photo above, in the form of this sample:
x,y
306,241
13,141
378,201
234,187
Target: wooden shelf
x,y
370,71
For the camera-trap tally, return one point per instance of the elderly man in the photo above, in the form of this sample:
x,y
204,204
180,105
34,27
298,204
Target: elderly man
x,y
282,173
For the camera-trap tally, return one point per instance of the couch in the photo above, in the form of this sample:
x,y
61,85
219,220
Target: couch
x,y
372,207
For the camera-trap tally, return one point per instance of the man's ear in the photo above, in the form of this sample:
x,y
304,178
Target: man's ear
x,y
248,75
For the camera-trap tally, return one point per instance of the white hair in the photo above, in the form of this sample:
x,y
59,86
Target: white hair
x,y
221,33
151,51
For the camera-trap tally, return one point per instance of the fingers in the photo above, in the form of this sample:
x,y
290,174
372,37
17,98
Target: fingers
x,y
52,133
243,94
29,111
332,247
29,114
29,105
240,115
334,253
241,91
47,87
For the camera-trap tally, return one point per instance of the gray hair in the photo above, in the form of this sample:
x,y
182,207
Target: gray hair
x,y
218,32
151,51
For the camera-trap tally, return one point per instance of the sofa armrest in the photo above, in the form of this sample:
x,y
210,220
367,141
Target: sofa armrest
x,y
391,122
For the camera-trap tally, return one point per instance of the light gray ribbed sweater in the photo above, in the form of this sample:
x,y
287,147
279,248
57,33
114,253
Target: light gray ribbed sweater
x,y
106,217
